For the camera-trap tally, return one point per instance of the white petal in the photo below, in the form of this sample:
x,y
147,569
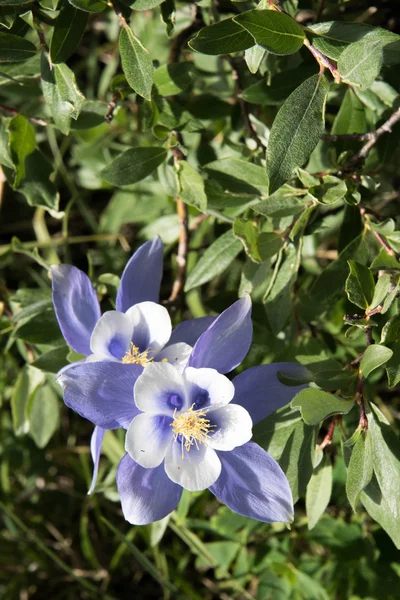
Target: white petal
x,y
176,355
160,390
112,335
100,357
232,426
196,471
147,439
207,388
151,326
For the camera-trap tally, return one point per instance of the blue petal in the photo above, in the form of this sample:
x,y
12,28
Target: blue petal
x,y
189,331
141,278
147,495
252,484
95,449
226,342
76,305
102,392
260,392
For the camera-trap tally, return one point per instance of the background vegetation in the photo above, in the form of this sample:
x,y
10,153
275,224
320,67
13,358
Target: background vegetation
x,y
114,130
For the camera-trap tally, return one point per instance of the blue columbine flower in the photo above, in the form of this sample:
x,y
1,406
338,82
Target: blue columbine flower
x,y
192,429
137,332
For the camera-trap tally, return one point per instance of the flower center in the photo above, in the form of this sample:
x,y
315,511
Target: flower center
x,y
192,427
134,357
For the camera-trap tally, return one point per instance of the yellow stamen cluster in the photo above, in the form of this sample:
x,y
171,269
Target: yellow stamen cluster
x,y
193,428
134,357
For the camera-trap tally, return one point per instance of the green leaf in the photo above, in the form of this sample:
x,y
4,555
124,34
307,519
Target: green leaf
x,y
275,31
90,6
316,405
360,285
281,204
136,63
53,360
43,415
335,36
192,186
331,190
68,31
41,329
296,130
253,57
269,244
360,63
385,458
382,289
393,365
37,187
173,79
238,175
62,95
279,88
384,260
14,48
375,356
247,233
319,490
297,458
360,468
22,142
224,37
133,165
25,387
292,443
351,117
214,260
377,506
278,298
328,286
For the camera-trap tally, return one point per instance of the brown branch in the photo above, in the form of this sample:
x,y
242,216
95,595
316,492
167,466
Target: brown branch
x,y
323,61
181,257
183,242
382,242
179,41
112,105
363,422
357,161
327,441
359,137
14,111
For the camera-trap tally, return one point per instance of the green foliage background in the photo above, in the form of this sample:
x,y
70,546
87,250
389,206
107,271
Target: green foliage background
x,y
276,135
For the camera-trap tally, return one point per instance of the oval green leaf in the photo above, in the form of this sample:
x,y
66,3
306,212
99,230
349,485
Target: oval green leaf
x,y
68,31
14,48
296,130
222,38
375,356
275,31
133,165
214,260
136,63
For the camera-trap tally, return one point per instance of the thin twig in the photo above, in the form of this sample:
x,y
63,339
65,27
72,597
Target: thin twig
x,y
112,105
359,137
357,161
183,242
363,422
323,61
382,242
327,441
14,111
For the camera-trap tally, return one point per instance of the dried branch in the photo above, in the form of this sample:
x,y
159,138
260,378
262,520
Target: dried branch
x,y
357,161
14,111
